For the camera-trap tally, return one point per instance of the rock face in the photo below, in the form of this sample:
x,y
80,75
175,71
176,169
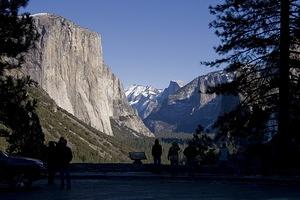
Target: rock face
x,y
173,87
184,110
68,64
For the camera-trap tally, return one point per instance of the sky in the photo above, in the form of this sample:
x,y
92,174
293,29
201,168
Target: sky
x,y
145,42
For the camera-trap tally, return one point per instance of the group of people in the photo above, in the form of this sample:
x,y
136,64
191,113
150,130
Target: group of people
x,y
191,154
59,156
173,153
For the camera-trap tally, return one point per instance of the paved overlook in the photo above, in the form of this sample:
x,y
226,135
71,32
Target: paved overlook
x,y
154,189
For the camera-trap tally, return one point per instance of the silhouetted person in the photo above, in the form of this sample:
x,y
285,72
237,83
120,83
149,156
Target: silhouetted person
x,y
173,154
241,160
64,157
190,152
156,152
223,157
51,162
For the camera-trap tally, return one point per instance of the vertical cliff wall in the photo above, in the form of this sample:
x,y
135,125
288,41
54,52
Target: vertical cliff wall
x,y
68,64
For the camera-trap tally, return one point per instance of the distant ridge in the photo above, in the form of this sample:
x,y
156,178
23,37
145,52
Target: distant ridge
x,y
181,108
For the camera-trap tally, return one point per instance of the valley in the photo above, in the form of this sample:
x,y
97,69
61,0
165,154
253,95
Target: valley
x,y
181,108
81,99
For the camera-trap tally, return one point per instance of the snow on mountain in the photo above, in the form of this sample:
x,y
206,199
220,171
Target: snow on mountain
x,y
67,62
39,14
135,92
190,106
143,98
147,98
181,108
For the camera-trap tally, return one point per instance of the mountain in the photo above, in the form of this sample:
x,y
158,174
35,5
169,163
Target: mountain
x,y
190,105
145,99
90,145
173,87
87,143
68,64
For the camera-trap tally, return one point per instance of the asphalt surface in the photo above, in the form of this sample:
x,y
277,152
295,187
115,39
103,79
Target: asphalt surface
x,y
124,188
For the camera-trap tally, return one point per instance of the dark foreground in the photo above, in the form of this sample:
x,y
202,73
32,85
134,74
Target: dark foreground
x,y
88,189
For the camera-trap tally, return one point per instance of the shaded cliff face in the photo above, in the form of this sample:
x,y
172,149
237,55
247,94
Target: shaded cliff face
x,y
184,110
173,87
68,64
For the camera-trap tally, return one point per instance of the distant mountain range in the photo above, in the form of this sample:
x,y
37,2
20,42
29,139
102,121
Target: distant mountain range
x,y
146,98
181,108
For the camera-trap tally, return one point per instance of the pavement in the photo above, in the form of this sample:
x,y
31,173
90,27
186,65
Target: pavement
x,y
150,172
152,189
118,182
279,180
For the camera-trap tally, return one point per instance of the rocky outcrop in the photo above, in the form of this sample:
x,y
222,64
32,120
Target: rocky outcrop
x,y
190,106
68,64
173,87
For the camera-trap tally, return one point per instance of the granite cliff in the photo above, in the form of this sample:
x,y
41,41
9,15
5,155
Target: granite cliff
x,y
68,64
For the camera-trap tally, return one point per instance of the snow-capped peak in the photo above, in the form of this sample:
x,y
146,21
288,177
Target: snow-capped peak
x,y
39,14
136,90
142,98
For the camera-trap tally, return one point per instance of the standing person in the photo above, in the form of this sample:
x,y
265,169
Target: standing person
x,y
64,157
173,154
51,162
190,152
156,152
241,160
223,157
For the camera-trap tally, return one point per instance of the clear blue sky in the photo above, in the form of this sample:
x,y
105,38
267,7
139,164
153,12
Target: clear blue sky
x,y
147,42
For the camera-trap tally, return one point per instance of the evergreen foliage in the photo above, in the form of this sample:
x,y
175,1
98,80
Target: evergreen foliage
x,y
260,44
17,33
206,148
93,146
19,121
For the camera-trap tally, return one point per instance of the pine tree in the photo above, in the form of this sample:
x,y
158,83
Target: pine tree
x,y
17,110
260,44
205,146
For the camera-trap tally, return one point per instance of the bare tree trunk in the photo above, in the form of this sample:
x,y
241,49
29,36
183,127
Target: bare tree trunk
x,y
284,69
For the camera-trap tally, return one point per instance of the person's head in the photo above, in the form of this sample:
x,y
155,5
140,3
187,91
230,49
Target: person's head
x,y
156,141
62,141
51,144
65,142
224,145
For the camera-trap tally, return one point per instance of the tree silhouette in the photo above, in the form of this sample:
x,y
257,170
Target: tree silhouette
x,y
260,44
204,144
19,122
17,34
